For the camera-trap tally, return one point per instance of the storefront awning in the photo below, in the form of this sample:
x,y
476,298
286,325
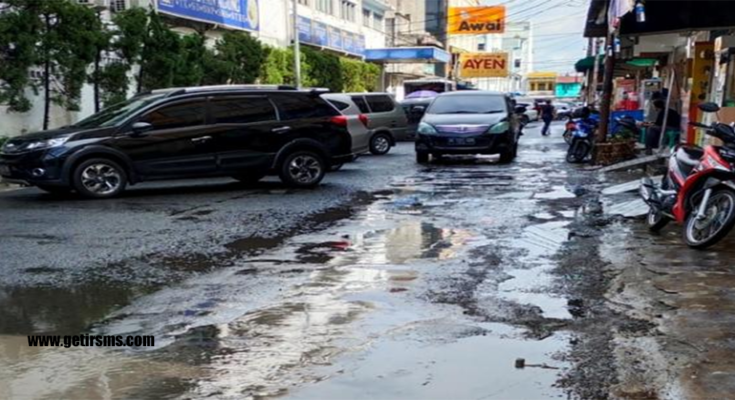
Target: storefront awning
x,y
408,55
587,63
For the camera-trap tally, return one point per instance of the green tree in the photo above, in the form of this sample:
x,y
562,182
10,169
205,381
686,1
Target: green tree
x,y
20,32
160,55
124,46
237,58
68,45
325,70
189,69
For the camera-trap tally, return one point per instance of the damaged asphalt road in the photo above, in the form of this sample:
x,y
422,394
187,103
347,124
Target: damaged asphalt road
x,y
461,279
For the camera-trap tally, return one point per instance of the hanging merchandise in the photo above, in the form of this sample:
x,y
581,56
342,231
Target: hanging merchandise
x,y
617,44
640,12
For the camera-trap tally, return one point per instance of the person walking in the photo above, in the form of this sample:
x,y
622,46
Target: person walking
x,y
547,115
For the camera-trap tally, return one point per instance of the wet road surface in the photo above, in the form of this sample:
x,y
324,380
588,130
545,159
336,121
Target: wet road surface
x,y
393,280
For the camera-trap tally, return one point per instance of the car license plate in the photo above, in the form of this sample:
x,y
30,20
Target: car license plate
x,y
4,170
460,141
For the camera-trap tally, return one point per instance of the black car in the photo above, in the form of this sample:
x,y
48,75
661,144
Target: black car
x,y
469,123
240,131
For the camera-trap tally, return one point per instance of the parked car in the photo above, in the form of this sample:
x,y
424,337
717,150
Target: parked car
x,y
415,110
531,113
386,120
469,123
357,123
563,110
240,131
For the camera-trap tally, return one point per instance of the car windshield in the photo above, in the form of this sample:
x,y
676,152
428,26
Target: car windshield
x,y
469,104
117,113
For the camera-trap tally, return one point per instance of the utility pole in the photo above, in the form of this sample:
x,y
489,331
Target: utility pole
x,y
607,88
296,46
595,73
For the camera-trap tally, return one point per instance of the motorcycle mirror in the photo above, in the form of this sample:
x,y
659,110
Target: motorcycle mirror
x,y
709,107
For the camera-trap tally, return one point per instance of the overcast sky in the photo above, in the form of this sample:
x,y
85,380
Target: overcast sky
x,y
557,28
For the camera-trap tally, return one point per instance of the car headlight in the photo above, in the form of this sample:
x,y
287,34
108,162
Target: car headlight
x,y
426,129
46,144
501,127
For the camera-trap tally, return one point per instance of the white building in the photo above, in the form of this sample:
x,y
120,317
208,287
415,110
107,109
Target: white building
x,y
517,42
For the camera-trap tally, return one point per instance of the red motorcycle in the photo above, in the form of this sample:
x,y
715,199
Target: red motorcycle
x,y
699,189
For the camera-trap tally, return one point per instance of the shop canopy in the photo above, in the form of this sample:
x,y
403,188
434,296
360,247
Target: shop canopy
x,y
408,55
588,63
663,17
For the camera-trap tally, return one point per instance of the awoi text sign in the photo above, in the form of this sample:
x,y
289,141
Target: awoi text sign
x,y
483,65
476,20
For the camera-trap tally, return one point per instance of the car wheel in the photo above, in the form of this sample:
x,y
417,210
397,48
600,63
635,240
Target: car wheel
x,y
336,167
380,144
422,158
303,169
55,189
99,178
250,177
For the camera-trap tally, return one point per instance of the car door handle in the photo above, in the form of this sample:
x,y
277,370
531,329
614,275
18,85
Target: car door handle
x,y
202,139
282,129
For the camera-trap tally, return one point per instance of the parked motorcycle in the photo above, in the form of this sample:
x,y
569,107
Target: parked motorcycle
x,y
569,130
580,144
698,190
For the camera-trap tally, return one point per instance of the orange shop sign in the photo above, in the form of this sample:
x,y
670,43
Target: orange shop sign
x,y
476,20
483,65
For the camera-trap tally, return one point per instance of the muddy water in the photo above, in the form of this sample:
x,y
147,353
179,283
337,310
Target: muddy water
x,y
417,294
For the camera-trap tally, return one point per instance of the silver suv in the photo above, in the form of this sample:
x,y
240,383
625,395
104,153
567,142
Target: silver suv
x,y
387,121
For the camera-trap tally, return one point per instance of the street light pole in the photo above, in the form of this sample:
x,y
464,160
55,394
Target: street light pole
x,y
296,46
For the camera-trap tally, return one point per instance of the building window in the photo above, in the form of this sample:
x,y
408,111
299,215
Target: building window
x,y
117,5
304,2
378,22
347,10
325,6
481,47
366,17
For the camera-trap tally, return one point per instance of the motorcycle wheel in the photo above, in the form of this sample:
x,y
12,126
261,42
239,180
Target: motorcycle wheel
x,y
578,151
656,220
717,223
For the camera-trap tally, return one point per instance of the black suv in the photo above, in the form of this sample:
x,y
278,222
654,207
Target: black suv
x,y
240,131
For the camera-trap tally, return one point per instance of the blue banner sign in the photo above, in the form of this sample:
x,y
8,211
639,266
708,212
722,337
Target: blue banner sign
x,y
321,34
305,30
335,38
239,14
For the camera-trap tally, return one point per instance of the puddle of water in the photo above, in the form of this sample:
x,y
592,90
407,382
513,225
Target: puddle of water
x,y
471,367
557,192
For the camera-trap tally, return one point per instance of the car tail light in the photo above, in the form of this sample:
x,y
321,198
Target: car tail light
x,y
339,120
364,119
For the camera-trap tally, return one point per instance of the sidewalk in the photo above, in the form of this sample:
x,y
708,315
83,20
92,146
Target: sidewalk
x,y
684,300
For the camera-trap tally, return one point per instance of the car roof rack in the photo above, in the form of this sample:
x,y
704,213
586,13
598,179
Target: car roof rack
x,y
218,88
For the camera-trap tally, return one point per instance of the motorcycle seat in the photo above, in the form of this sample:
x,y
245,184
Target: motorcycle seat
x,y
689,156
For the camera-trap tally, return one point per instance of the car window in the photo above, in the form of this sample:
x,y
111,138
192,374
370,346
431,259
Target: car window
x,y
361,104
301,106
341,105
242,110
380,103
118,113
179,115
468,104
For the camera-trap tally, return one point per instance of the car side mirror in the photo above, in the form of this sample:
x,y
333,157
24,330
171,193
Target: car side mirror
x,y
520,110
709,107
141,128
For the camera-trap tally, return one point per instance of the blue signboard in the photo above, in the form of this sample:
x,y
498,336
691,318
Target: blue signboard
x,y
240,14
319,34
335,38
305,30
407,55
349,42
